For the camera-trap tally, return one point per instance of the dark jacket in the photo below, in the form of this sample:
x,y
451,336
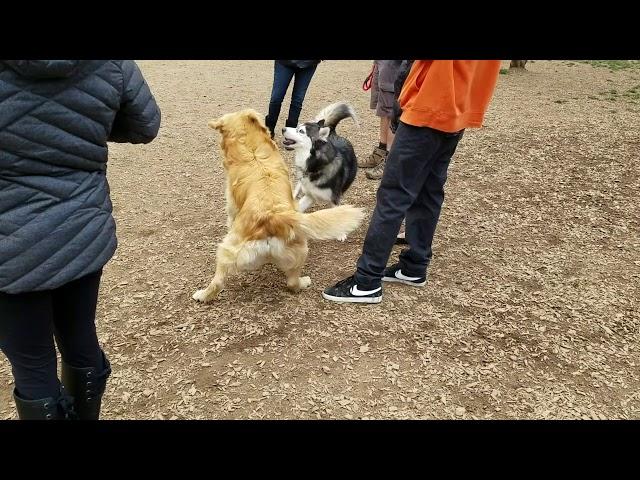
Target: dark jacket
x,y
300,64
403,73
56,117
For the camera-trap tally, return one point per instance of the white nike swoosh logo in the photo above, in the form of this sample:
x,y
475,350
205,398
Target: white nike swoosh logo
x,y
361,293
400,276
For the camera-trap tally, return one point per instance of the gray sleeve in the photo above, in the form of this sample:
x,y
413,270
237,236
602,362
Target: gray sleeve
x,y
138,119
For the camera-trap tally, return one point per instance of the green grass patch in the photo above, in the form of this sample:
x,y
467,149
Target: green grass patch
x,y
614,65
631,95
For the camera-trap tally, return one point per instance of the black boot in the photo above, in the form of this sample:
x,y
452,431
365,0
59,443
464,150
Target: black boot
x,y
60,408
86,386
271,126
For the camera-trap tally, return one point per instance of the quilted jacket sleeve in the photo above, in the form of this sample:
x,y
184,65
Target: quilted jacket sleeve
x,y
138,119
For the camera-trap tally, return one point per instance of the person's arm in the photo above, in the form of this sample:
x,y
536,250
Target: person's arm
x,y
138,119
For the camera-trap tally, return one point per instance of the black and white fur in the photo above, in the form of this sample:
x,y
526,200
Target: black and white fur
x,y
326,163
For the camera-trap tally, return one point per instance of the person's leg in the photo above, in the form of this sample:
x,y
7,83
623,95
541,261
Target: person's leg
x,y
386,99
382,150
379,153
409,164
85,368
300,85
384,110
282,76
384,133
422,216
401,237
74,314
26,338
408,167
390,135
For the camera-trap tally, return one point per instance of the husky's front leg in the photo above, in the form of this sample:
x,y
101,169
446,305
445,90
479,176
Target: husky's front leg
x,y
305,203
298,188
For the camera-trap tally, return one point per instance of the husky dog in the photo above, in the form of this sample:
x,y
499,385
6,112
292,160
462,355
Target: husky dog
x,y
326,162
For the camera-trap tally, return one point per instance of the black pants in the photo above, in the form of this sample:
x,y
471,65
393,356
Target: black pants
x,y
412,187
28,324
282,76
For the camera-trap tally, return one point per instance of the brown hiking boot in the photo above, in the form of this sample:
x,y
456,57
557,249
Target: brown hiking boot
x,y
374,159
376,172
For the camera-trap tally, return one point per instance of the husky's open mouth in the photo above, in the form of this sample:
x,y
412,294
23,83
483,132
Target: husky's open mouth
x,y
287,143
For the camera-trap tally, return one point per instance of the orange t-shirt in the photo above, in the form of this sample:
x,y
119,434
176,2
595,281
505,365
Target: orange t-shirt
x,y
448,95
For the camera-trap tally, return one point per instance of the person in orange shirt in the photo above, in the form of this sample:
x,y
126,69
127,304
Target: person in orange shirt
x,y
439,99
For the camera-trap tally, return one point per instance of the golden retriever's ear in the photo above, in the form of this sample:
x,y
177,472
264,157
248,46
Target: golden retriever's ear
x,y
216,124
252,115
255,119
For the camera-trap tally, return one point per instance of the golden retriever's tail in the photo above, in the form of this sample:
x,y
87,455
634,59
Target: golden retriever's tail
x,y
331,223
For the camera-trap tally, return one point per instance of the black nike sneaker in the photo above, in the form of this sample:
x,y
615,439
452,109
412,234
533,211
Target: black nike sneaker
x,y
347,291
394,274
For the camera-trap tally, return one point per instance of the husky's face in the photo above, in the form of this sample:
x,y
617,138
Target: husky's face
x,y
304,135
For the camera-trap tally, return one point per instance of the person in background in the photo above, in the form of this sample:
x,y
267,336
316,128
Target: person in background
x,y
56,225
403,73
382,98
439,100
283,72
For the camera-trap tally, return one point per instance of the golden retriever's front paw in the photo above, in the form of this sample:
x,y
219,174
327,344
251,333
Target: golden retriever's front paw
x,y
305,282
200,296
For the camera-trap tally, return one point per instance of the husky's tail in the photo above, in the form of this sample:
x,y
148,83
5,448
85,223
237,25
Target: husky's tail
x,y
335,113
331,223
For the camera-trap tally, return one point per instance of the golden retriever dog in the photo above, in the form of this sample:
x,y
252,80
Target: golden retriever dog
x,y
264,225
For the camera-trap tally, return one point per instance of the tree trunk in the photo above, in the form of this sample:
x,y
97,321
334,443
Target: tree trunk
x,y
517,63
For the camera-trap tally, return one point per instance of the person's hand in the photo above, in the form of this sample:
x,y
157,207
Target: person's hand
x,y
395,119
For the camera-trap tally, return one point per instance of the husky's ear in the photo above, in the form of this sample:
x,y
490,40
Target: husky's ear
x,y
321,123
323,133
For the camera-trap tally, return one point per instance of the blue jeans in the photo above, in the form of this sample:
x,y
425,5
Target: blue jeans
x,y
282,76
412,187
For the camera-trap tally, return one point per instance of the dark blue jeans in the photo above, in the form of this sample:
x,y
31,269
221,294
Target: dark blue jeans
x,y
282,76
412,187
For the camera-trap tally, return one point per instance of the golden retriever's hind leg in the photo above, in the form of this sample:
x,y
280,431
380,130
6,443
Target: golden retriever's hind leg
x,y
292,264
295,282
225,265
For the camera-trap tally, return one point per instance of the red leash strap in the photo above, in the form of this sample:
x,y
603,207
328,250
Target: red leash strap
x,y
367,81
